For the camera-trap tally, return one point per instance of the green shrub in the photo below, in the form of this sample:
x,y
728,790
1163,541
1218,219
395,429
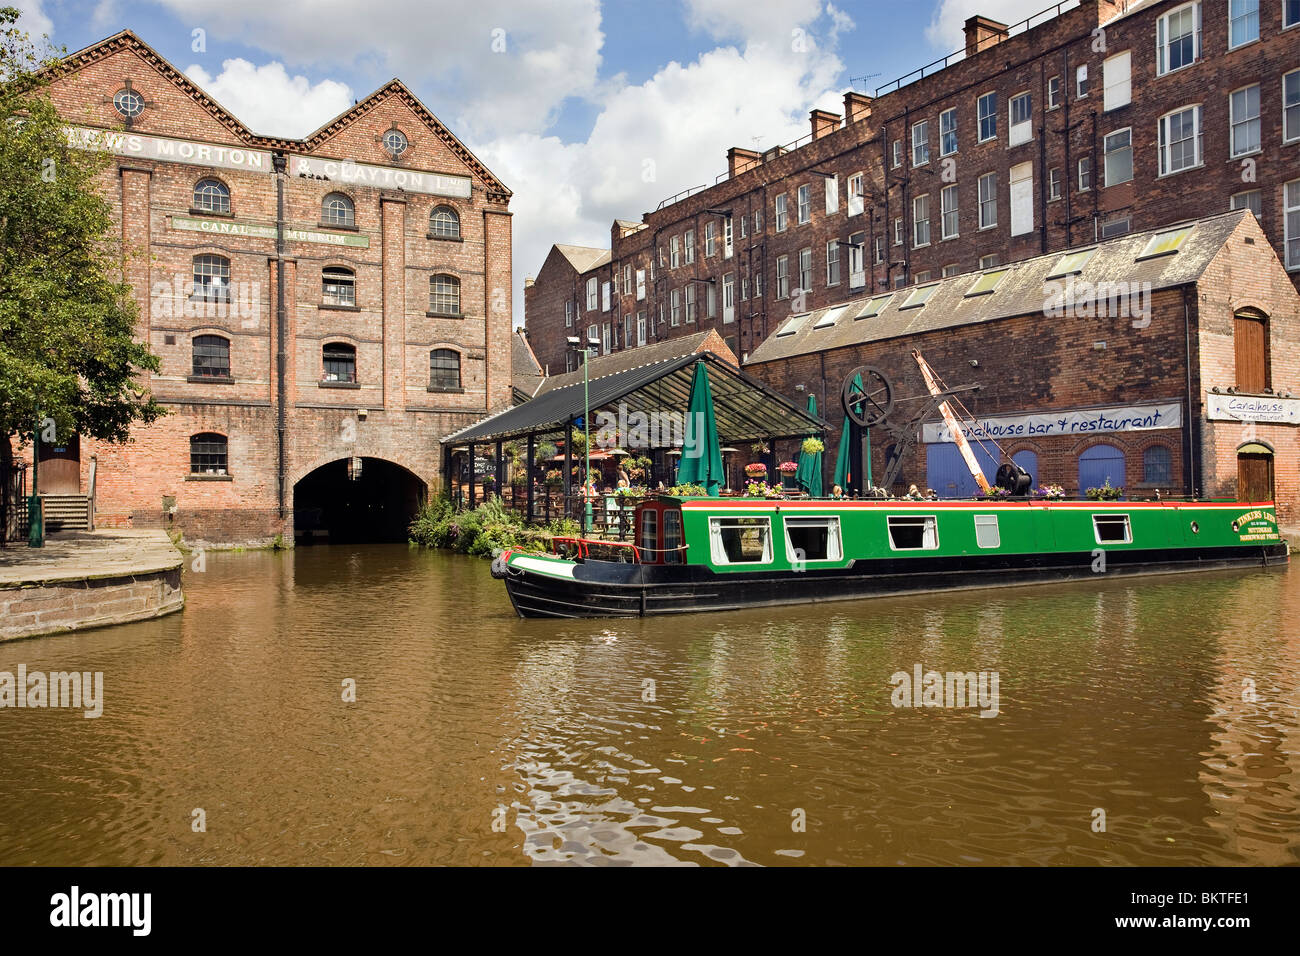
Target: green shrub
x,y
484,531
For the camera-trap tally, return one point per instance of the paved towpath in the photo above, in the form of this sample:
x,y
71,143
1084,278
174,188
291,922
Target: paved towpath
x,y
78,556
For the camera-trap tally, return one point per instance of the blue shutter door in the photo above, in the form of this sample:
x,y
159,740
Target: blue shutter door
x,y
1098,464
1028,460
946,471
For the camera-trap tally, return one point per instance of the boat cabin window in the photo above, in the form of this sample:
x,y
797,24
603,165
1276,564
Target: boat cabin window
x,y
648,540
913,532
672,536
740,540
986,531
1113,529
813,539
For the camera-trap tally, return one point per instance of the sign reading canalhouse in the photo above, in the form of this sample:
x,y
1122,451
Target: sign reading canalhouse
x,y
383,177
1088,421
166,149
1253,408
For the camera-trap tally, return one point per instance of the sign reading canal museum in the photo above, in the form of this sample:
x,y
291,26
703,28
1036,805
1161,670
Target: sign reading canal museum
x,y
1266,409
1091,421
385,177
257,230
166,149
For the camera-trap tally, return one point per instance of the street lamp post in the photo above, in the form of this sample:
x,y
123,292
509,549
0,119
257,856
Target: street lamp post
x,y
593,343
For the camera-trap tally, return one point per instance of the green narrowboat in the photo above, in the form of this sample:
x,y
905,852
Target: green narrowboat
x,y
715,554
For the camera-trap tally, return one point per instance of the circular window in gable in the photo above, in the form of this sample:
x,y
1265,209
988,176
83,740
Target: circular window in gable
x,y
128,102
395,142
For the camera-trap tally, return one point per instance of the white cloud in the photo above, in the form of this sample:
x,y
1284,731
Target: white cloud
x,y
946,32
746,20
270,101
499,66
32,18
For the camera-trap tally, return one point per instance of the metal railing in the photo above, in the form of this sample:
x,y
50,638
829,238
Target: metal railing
x,y
13,502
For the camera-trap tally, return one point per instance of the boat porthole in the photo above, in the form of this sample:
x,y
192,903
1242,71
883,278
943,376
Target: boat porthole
x,y
1196,528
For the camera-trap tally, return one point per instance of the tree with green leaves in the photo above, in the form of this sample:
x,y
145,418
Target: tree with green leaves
x,y
68,351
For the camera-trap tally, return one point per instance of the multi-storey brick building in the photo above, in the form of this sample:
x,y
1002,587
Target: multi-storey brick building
x,y
1085,122
1176,379
324,394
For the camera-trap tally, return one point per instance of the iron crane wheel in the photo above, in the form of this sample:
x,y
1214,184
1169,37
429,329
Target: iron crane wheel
x,y
871,404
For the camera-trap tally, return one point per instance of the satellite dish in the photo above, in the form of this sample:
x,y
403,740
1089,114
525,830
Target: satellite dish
x,y
870,403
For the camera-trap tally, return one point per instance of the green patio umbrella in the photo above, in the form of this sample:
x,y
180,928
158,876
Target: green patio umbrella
x,y
701,462
808,476
842,470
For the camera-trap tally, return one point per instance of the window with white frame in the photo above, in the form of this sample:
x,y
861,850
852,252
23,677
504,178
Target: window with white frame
x,y
689,296
778,210
1252,199
593,293
782,277
674,252
948,207
1085,174
726,238
1243,117
897,159
1081,82
1118,157
1053,184
857,267
988,200
898,230
640,328
833,262
1020,115
444,295
1290,13
568,314
711,301
921,220
627,278
921,143
758,284
1291,106
728,298
803,197
805,270
758,221
855,189
987,106
1053,92
1021,194
813,539
1180,140
1116,81
744,227
604,339
948,132
688,243
832,194
744,287
879,250
950,269
710,238
1178,38
675,308
1291,223
920,277
989,261
1243,22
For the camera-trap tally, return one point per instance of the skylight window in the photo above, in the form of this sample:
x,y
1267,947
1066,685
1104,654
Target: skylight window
x,y
1165,243
1071,264
920,295
795,324
873,306
831,317
987,282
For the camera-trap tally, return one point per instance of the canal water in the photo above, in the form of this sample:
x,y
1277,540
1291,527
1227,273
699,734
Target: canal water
x,y
1139,721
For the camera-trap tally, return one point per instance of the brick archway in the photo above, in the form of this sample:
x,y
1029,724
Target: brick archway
x,y
361,499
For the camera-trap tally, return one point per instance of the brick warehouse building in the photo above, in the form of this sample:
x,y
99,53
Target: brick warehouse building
x,y
325,395
1180,380
1084,122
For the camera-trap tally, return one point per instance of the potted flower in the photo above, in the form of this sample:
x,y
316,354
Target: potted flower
x,y
1051,492
761,489
756,469
787,470
997,491
813,446
554,478
1105,492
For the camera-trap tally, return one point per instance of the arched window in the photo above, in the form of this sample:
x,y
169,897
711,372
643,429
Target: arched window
x,y
1157,465
212,277
209,454
211,195
1101,464
1250,343
338,210
444,223
444,369
338,286
444,295
340,361
211,356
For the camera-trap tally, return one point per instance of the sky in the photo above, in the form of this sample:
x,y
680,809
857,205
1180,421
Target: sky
x,y
588,111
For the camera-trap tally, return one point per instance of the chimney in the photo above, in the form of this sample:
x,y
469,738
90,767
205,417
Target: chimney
x,y
739,160
857,106
528,282
983,33
823,122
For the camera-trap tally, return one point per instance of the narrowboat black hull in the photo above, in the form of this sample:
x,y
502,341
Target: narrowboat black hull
x,y
618,589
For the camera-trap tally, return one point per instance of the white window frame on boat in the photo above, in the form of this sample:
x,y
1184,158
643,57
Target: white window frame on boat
x,y
1128,529
834,538
929,533
987,534
719,554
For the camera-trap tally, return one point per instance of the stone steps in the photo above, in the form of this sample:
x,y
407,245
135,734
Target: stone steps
x,y
66,512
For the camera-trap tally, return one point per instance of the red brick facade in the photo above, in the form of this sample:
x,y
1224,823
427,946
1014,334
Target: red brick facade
x,y
1063,125
394,410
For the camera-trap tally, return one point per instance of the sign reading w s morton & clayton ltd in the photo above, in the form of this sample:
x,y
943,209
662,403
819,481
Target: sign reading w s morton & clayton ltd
x,y
1085,421
383,177
1265,409
166,149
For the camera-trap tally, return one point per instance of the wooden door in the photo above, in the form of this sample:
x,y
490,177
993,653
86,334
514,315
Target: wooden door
x,y
60,468
1254,477
1250,345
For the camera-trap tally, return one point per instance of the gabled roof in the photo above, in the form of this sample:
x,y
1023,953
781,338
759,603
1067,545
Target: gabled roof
x,y
127,40
583,258
525,370
1023,288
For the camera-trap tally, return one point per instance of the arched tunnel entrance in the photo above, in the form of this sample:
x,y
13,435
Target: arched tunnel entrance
x,y
356,500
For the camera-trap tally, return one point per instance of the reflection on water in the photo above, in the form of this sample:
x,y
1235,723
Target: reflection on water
x,y
763,737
